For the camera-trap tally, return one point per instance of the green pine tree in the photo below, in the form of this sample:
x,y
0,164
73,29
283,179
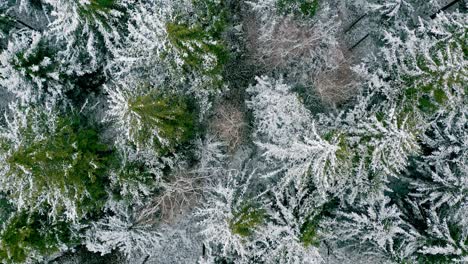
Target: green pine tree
x,y
28,236
64,161
246,219
161,121
199,51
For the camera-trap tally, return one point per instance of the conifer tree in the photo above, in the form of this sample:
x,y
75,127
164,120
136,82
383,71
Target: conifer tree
x,y
150,118
32,237
91,28
104,137
121,231
55,162
30,70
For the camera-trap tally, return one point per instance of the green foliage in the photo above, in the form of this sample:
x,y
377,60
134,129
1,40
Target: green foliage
x,y
453,237
246,219
171,116
135,172
104,5
428,91
434,259
6,209
212,16
346,152
38,62
6,24
309,230
304,8
198,42
26,235
70,160
198,50
97,9
426,98
309,236
417,100
132,181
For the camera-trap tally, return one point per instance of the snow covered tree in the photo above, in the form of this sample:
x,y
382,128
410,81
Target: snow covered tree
x,y
289,45
376,228
29,237
198,41
6,24
210,156
197,49
89,29
229,218
445,167
79,39
376,150
392,9
150,118
291,143
54,161
364,151
181,40
29,68
133,180
279,113
446,238
246,230
438,197
288,236
120,231
146,41
427,65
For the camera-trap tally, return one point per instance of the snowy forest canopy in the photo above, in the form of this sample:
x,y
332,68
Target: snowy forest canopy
x,y
234,131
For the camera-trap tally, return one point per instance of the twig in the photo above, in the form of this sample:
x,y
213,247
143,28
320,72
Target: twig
x,y
146,259
444,8
359,42
354,23
14,18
